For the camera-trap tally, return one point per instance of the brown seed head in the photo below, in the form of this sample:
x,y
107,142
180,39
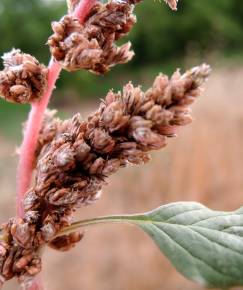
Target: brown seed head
x,y
91,46
77,158
23,79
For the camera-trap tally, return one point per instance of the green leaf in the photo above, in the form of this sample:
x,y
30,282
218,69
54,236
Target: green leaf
x,y
206,246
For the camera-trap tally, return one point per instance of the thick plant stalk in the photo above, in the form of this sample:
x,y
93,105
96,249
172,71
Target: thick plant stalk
x,y
27,155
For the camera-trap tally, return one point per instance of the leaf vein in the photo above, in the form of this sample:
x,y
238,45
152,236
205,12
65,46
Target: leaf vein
x,y
181,213
193,256
217,243
214,216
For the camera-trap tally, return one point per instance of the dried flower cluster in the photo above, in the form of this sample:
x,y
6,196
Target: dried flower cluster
x,y
92,46
75,157
23,79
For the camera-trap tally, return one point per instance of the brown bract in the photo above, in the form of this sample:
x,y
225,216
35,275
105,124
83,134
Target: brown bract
x,y
23,79
91,46
75,157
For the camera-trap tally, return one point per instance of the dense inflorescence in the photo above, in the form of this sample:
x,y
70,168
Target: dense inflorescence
x,y
23,79
91,46
75,157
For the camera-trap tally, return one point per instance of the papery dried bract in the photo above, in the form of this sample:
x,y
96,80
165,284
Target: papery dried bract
x,y
66,242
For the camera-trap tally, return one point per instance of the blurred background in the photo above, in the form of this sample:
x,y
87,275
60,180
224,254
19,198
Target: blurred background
x,y
205,163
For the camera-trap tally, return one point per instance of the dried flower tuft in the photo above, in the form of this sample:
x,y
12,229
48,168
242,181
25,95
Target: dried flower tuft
x,y
74,164
23,79
92,46
76,157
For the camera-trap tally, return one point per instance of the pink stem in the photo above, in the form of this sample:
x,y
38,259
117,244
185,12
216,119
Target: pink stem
x,y
83,9
34,123
27,156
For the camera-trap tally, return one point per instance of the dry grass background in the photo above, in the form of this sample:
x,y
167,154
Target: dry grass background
x,y
204,164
